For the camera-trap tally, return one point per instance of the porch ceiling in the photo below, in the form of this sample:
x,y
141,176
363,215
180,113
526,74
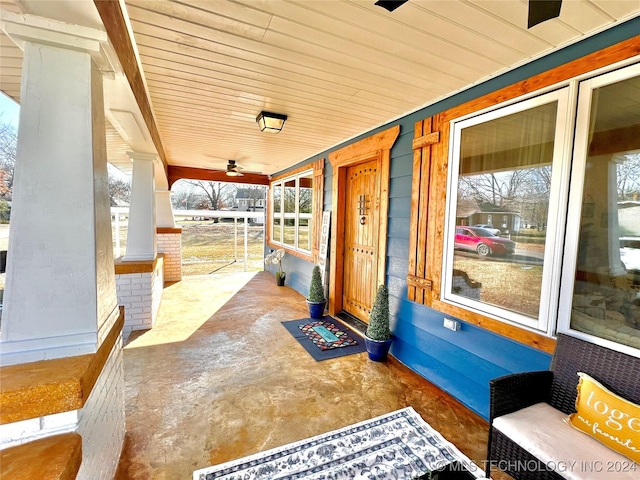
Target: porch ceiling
x,y
337,68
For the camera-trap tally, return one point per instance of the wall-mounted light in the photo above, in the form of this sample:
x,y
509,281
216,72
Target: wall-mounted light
x,y
270,122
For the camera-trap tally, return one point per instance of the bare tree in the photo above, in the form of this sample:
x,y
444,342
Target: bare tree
x,y
119,186
628,178
525,191
8,149
218,194
183,198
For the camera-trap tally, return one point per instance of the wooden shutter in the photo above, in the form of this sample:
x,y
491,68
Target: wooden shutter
x,y
419,286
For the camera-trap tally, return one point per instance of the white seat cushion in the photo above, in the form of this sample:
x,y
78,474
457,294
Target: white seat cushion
x,y
541,430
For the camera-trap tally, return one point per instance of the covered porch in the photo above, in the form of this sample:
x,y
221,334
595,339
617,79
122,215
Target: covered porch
x,y
219,378
146,378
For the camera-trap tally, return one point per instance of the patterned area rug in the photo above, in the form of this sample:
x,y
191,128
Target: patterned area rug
x,y
398,445
325,335
325,338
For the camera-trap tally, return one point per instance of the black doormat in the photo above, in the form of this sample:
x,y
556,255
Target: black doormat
x,y
325,337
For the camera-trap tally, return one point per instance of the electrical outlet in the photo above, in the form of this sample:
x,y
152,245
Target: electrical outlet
x,y
451,324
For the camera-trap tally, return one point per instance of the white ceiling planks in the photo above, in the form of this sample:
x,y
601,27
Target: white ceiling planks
x,y
337,68
10,59
117,149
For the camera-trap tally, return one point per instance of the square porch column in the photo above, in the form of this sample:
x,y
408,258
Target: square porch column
x,y
141,238
60,296
61,333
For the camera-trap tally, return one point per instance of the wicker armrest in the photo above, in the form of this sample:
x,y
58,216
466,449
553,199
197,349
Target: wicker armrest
x,y
520,390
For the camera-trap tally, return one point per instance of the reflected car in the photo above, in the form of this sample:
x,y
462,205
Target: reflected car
x,y
483,242
630,258
490,228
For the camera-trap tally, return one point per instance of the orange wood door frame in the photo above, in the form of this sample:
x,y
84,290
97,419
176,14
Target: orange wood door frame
x,y
376,145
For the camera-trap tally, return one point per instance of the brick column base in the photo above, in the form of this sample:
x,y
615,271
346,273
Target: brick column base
x,y
139,286
169,242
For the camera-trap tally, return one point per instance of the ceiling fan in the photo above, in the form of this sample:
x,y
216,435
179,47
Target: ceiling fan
x,y
539,10
233,169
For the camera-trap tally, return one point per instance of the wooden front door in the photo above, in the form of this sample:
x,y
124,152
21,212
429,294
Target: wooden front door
x,y
362,218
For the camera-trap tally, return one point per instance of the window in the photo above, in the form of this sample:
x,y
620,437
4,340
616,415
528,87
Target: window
x,y
506,167
292,218
544,245
601,279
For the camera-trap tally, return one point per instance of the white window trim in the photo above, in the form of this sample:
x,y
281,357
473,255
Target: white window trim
x,y
572,234
561,163
290,215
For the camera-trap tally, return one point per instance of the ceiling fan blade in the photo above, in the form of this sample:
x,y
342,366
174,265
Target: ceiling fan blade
x,y
233,169
543,10
390,5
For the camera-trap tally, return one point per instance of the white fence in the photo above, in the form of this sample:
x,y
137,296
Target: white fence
x,y
118,214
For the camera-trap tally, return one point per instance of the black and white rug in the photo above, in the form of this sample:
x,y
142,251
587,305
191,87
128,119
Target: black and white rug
x,y
397,445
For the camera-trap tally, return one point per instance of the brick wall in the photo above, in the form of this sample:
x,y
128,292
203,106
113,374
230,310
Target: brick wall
x,y
171,245
140,294
101,422
17,433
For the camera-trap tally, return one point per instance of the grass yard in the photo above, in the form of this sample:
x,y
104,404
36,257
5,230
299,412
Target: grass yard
x,y
509,285
208,247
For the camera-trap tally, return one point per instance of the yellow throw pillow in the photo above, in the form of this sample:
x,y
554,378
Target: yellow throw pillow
x,y
607,417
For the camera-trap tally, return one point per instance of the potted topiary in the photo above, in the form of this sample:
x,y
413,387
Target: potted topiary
x,y
316,300
378,336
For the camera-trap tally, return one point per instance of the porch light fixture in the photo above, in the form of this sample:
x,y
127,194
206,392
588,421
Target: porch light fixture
x,y
270,122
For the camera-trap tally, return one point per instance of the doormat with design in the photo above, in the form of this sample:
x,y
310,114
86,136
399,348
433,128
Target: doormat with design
x,y
325,338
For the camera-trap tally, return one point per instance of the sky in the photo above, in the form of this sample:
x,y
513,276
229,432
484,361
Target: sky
x,y
9,110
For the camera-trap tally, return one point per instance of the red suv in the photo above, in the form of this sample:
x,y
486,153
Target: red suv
x,y
483,241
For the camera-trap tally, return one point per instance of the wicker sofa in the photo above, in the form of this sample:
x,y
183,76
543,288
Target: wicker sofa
x,y
557,387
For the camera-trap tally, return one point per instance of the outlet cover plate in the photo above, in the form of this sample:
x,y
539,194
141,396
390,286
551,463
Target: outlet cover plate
x,y
451,324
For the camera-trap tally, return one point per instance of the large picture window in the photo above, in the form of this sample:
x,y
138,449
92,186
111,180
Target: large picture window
x,y
503,215
292,212
601,279
543,212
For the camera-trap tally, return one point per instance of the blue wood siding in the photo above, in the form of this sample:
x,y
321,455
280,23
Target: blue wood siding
x,y
462,362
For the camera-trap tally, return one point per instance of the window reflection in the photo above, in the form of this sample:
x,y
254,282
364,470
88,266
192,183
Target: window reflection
x,y
606,297
305,208
504,184
289,237
277,200
292,223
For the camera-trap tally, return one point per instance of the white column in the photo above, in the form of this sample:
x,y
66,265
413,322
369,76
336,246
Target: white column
x,y
164,211
613,240
141,237
60,295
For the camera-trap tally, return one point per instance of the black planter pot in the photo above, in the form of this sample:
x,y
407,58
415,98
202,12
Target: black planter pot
x,y
377,349
316,309
280,280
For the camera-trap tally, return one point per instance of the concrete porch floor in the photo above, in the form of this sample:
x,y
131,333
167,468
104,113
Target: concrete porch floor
x,y
219,378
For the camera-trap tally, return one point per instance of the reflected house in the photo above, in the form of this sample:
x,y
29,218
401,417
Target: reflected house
x,y
249,200
470,212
